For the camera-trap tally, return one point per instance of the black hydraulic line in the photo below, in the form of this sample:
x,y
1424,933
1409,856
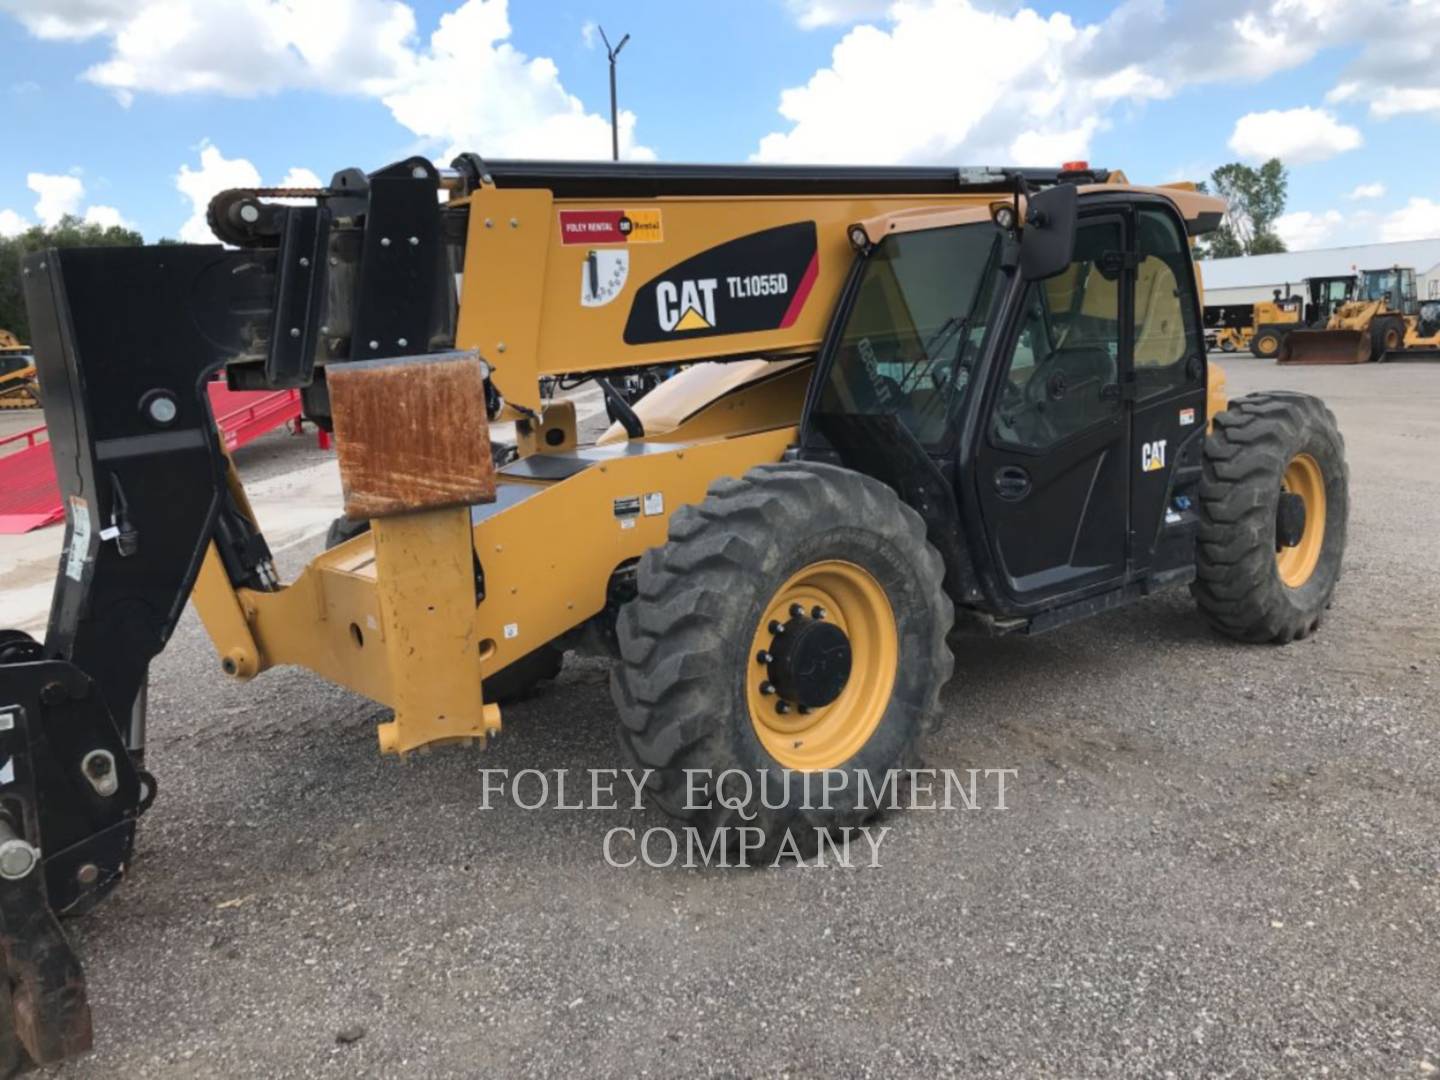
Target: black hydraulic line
x,y
621,409
592,179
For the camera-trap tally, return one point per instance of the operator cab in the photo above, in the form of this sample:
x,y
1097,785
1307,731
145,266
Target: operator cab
x,y
1395,286
1327,294
1048,412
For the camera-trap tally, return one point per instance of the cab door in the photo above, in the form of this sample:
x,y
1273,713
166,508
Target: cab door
x,y
1167,381
1053,486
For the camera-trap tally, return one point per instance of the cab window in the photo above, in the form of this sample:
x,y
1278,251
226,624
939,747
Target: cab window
x,y
1068,348
915,328
1167,330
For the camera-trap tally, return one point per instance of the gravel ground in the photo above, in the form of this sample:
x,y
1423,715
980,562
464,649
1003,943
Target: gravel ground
x,y
1217,859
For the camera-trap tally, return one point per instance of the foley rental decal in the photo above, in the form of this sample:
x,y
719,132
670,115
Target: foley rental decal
x,y
611,227
755,282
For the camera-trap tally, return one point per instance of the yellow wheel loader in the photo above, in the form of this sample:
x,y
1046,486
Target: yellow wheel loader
x,y
1384,318
914,404
19,388
1262,328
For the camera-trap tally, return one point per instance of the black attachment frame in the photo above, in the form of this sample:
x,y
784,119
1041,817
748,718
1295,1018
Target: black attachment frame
x,y
126,341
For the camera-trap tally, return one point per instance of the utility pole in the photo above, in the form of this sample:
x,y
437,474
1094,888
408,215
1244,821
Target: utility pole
x,y
614,115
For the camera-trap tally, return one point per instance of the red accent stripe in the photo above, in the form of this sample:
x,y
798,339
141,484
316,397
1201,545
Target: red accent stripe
x,y
802,291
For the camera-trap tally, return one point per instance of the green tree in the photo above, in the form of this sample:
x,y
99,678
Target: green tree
x,y
68,232
1256,198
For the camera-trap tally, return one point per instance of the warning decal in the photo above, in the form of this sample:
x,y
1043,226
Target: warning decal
x,y
610,227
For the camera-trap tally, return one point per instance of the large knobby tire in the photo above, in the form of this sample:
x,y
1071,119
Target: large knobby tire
x,y
1267,454
1266,344
818,550
1387,335
13,1058
515,681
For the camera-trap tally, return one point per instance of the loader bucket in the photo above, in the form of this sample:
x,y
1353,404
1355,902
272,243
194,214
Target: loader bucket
x,y
1324,347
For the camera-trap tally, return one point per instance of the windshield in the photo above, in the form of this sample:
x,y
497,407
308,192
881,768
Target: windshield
x,y
1383,285
912,337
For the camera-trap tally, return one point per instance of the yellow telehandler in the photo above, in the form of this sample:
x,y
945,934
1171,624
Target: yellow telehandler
x,y
915,403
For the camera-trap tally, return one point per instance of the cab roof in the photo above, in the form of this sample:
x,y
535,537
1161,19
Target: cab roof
x,y
1202,213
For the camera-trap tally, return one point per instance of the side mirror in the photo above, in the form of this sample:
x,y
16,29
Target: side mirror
x,y
1047,244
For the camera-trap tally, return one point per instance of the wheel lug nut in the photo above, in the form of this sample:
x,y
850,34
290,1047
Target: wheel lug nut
x,y
767,688
817,612
782,706
776,626
763,657
797,610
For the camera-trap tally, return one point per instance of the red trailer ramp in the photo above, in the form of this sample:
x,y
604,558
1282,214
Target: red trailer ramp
x,y
30,497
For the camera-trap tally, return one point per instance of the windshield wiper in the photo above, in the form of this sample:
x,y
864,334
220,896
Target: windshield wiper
x,y
937,341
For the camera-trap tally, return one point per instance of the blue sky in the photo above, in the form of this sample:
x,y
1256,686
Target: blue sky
x,y
107,101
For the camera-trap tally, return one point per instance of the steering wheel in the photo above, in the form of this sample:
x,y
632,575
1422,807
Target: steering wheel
x,y
1024,409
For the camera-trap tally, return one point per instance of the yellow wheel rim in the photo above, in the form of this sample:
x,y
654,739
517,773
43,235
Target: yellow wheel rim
x,y
1268,345
1304,478
826,736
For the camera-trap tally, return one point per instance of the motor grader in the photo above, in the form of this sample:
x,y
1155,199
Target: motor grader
x,y
1270,321
915,404
19,388
1384,317
1274,320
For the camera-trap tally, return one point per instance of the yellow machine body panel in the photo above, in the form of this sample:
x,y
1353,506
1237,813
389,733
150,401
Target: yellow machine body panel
x,y
1416,339
1234,338
19,387
553,286
375,625
1268,312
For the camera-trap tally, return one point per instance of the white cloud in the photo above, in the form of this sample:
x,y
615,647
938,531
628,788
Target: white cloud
x,y
301,178
947,80
238,47
590,33
950,80
58,195
106,217
1055,147
511,105
1368,191
1295,136
1304,229
216,173
468,88
812,14
1398,70
11,223
1419,219
66,20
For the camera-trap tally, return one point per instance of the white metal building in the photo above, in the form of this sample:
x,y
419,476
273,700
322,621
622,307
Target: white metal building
x,y
1251,278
